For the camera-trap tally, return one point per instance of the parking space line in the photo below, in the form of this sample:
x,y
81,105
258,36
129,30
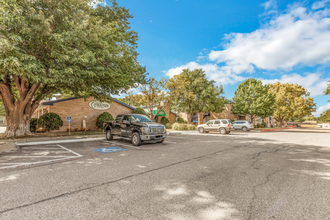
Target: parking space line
x,y
70,150
32,156
123,144
49,160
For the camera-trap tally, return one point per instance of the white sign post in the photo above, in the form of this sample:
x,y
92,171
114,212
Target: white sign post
x,y
68,119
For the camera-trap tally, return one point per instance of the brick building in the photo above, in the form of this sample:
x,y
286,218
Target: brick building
x,y
202,117
80,110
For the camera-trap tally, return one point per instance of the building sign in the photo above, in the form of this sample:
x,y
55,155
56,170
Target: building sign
x,y
161,113
97,105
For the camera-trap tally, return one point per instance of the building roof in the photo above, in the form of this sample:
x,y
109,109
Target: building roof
x,y
68,99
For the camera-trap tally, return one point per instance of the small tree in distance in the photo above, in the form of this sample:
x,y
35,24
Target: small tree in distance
x,y
253,98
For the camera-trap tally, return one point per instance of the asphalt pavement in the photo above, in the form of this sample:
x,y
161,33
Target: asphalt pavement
x,y
279,175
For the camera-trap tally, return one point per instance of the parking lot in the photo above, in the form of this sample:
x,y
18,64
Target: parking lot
x,y
274,175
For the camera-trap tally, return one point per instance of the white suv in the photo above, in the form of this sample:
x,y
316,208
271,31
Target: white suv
x,y
224,126
243,125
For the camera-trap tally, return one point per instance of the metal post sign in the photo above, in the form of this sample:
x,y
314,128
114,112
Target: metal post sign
x,y
68,119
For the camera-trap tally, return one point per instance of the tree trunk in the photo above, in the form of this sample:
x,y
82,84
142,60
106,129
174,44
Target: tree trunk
x,y
18,122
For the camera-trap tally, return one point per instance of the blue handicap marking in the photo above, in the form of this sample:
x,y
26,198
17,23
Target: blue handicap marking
x,y
109,149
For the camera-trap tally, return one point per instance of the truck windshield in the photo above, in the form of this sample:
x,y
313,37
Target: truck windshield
x,y
140,118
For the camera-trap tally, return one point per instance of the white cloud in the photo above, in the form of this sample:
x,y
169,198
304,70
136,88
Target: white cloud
x,y
312,82
270,4
321,109
212,71
299,37
96,3
320,4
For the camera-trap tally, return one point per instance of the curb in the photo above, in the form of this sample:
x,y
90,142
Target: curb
x,y
59,141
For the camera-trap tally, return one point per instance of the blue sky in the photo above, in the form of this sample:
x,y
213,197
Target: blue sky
x,y
286,41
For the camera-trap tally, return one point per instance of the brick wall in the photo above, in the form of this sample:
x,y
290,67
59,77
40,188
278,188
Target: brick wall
x,y
78,108
226,113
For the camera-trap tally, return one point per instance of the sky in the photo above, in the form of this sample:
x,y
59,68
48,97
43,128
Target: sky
x,y
286,41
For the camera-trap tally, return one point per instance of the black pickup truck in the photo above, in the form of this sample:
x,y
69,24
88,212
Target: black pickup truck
x,y
139,128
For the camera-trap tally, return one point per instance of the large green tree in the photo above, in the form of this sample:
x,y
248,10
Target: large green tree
x,y
192,92
327,91
324,117
252,98
48,46
291,101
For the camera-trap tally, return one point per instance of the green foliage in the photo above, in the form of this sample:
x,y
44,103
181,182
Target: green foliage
x,y
164,120
291,101
50,121
324,117
168,126
327,91
105,116
198,93
34,124
180,120
139,111
252,97
49,47
2,109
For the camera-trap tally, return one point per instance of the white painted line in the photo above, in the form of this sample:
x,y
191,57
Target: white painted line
x,y
35,163
59,141
33,156
70,150
122,144
14,163
41,148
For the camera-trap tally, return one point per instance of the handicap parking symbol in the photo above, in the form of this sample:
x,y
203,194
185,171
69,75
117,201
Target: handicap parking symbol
x,y
108,149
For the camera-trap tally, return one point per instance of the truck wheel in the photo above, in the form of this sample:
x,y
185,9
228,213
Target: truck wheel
x,y
244,129
109,135
136,141
161,141
222,131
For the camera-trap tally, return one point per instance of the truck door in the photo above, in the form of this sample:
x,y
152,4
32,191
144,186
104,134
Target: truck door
x,y
116,125
124,127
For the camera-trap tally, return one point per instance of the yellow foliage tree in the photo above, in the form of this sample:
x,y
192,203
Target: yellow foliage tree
x,y
291,101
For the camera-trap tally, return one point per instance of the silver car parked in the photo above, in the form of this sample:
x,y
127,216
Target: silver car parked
x,y
224,126
243,125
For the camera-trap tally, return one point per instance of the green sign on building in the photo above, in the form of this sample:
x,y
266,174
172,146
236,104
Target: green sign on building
x,y
161,113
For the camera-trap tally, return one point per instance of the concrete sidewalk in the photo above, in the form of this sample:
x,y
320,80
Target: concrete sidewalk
x,y
13,144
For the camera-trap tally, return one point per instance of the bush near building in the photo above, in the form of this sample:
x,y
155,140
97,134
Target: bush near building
x,y
164,120
139,111
191,127
50,121
34,124
105,116
180,120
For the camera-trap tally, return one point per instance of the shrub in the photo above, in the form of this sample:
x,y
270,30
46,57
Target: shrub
x,y
168,126
164,120
34,124
105,116
178,126
180,120
76,129
175,126
255,126
191,127
139,111
50,121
